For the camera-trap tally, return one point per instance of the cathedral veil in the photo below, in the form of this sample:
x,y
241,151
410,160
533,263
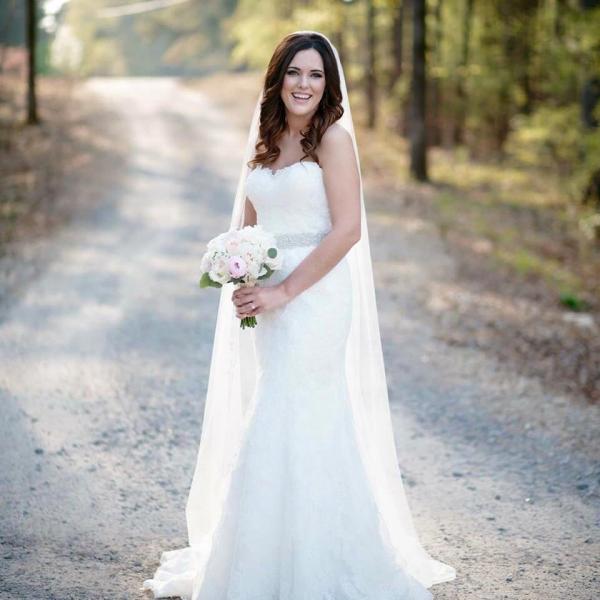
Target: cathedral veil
x,y
230,397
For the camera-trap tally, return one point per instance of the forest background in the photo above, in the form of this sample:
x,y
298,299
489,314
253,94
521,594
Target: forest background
x,y
484,113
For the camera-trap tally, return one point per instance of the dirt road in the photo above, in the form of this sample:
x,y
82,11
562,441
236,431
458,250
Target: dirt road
x,y
104,357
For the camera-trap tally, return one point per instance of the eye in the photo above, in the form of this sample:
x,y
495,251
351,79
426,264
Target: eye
x,y
295,72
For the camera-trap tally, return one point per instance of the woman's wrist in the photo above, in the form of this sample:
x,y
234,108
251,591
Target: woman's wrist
x,y
283,288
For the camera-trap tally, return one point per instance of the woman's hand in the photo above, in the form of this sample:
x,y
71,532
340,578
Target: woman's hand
x,y
251,301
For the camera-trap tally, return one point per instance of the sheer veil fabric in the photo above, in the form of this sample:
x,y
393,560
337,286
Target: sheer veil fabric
x,y
230,395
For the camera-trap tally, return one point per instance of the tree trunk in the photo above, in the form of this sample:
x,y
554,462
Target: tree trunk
x,y
338,35
590,96
435,97
371,78
461,95
397,43
558,26
286,8
418,137
590,93
522,51
32,114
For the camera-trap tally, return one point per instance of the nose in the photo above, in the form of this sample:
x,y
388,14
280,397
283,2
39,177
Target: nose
x,y
303,83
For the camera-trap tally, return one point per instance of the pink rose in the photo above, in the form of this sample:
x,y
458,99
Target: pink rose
x,y
237,266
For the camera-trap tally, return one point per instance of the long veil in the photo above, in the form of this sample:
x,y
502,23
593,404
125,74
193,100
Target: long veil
x,y
230,395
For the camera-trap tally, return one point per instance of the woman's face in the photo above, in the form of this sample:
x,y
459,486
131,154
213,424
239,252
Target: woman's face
x,y
303,83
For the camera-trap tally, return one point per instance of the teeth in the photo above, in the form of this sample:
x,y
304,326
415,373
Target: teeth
x,y
302,97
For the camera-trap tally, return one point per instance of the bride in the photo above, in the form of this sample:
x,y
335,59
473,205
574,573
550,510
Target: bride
x,y
297,494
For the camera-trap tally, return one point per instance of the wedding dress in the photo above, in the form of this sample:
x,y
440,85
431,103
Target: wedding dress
x,y
297,493
299,521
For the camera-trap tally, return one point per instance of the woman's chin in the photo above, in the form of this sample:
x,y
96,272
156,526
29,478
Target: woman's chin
x,y
300,111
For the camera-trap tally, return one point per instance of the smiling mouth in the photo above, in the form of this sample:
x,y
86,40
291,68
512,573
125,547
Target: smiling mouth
x,y
301,97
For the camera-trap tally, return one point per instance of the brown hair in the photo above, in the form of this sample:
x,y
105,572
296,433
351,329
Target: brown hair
x,y
272,108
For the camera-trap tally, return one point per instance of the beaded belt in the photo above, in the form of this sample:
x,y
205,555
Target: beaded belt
x,y
292,240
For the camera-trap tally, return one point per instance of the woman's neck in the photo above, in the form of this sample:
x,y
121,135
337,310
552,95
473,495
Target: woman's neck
x,y
296,124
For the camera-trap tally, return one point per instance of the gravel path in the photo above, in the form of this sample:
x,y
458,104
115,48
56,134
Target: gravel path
x,y
104,357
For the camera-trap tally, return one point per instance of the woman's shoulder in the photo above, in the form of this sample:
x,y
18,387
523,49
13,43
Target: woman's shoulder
x,y
335,138
336,145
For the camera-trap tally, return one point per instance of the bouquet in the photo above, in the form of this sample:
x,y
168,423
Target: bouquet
x,y
241,256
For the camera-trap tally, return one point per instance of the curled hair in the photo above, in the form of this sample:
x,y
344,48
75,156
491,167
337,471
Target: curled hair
x,y
272,108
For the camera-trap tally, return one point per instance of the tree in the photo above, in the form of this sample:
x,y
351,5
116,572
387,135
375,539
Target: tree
x,y
461,94
590,94
371,75
32,114
435,95
397,42
417,121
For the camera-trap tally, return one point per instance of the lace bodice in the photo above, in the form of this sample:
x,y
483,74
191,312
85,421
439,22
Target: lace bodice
x,y
291,199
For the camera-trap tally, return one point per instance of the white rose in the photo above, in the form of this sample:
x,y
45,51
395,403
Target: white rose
x,y
206,262
219,276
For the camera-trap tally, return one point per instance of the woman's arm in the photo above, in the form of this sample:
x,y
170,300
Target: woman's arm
x,y
342,185
249,214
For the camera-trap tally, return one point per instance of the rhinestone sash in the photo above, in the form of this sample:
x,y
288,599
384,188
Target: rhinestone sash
x,y
293,240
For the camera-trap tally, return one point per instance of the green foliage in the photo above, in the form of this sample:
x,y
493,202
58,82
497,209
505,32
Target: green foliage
x,y
185,38
254,33
101,53
257,25
206,281
267,274
505,59
554,138
573,302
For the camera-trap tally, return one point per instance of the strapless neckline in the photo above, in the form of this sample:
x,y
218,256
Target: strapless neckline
x,y
290,199
288,167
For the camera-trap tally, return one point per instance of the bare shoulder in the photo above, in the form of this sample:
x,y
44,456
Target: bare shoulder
x,y
335,139
336,152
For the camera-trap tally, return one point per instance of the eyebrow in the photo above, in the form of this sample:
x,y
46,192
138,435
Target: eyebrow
x,y
299,69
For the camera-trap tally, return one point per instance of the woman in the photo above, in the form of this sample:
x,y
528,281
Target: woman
x,y
297,493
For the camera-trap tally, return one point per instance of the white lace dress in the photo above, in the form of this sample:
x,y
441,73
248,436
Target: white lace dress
x,y
300,522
